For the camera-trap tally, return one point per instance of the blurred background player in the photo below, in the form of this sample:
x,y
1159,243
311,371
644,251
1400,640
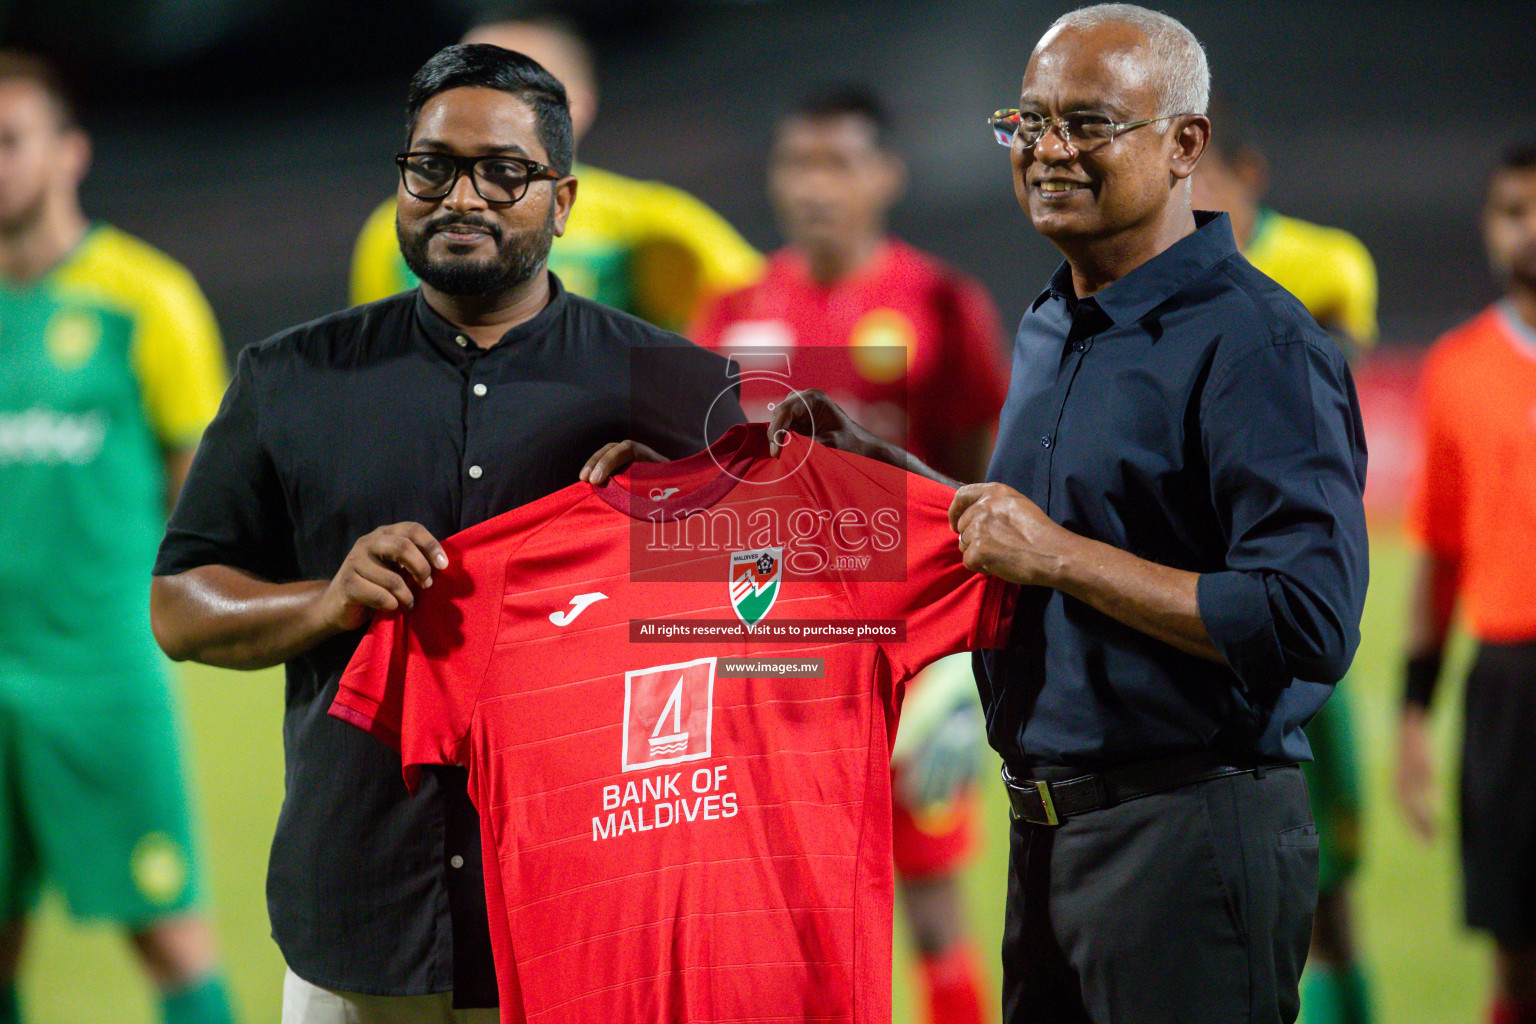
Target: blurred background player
x,y
110,367
1473,513
1333,275
640,246
922,367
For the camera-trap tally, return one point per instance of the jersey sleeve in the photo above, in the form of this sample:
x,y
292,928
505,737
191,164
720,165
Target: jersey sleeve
x,y
975,367
946,608
1436,503
178,359
414,680
684,252
377,268
1355,277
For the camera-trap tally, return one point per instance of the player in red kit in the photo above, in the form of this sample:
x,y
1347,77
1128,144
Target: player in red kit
x,y
676,703
920,366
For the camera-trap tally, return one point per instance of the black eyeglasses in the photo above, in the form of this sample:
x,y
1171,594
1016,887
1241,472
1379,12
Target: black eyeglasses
x,y
502,180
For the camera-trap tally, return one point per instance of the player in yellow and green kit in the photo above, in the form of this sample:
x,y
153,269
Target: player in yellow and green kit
x,y
110,366
1333,275
640,246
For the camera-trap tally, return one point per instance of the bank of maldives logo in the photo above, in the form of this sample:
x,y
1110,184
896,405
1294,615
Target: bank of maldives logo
x,y
755,583
668,713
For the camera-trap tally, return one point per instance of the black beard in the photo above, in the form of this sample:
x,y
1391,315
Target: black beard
x,y
517,258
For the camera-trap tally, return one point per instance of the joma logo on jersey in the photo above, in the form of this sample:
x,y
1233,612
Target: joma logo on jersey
x,y
755,577
668,713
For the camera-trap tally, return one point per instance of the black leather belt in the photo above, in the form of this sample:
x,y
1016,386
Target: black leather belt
x,y
1048,802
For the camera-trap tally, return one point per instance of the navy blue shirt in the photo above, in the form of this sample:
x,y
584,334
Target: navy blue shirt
x,y
1194,414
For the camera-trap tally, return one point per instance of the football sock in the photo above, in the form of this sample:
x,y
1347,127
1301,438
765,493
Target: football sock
x,y
10,1004
1331,996
202,1002
953,980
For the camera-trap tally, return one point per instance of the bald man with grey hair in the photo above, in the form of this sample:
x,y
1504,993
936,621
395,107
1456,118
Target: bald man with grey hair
x,y
1176,486
1178,59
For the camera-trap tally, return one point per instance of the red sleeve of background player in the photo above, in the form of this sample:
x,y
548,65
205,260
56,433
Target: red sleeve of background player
x,y
976,376
1436,496
947,608
414,680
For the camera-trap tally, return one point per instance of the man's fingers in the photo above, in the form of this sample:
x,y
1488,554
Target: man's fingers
x,y
406,552
366,594
1414,784
427,544
380,575
792,414
590,468
965,498
612,458
1420,817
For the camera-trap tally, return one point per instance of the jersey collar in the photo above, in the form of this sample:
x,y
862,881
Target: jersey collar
x,y
629,492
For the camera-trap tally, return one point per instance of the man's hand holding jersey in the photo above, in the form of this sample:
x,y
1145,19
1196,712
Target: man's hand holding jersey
x,y
377,573
1002,532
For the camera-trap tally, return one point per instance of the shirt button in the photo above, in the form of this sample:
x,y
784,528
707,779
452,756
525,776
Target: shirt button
x,y
479,390
1045,441
461,341
475,472
1079,346
456,861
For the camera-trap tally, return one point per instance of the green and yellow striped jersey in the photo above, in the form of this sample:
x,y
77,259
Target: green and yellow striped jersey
x,y
106,361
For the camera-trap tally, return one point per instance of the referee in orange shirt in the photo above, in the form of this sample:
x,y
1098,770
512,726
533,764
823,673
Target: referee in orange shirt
x,y
1474,513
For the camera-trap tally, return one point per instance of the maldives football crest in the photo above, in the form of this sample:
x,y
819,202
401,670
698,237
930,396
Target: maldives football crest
x,y
755,577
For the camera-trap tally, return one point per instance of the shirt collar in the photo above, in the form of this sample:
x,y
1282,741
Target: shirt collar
x,y
443,336
1160,278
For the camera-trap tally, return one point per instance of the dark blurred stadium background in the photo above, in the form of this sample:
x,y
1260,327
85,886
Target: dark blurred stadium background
x,y
250,138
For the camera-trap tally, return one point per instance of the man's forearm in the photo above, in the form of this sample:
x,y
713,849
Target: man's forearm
x,y
903,459
1155,599
223,616
1431,603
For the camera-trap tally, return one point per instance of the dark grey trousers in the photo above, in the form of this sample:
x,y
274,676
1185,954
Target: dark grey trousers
x,y
1185,907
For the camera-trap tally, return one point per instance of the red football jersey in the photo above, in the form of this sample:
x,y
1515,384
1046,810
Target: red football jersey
x,y
952,380
673,830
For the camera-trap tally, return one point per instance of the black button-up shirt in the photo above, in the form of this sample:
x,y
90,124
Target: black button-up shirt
x,y
382,414
1194,414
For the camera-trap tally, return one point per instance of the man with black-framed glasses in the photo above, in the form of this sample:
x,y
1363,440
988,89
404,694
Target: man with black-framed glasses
x,y
401,422
1177,485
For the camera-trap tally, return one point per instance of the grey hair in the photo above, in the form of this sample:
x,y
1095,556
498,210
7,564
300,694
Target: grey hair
x,y
1185,76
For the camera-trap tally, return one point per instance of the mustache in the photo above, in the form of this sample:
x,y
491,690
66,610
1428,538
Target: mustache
x,y
453,221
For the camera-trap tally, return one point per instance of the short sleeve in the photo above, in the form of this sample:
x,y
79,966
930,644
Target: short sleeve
x,y
231,510
726,260
1356,277
414,680
946,607
1436,507
178,359
684,252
